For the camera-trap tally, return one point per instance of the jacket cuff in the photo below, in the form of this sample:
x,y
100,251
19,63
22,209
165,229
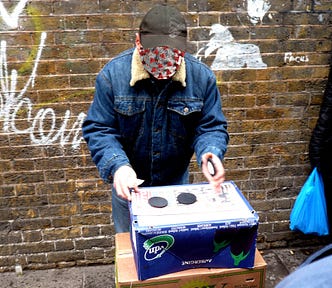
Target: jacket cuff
x,y
210,149
108,170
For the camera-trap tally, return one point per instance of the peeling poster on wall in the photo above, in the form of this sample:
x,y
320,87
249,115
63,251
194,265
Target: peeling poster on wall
x,y
228,53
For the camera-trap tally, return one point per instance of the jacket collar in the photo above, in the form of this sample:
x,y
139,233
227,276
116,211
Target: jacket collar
x,y
139,73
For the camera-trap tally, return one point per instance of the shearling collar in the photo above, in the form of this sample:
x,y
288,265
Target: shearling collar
x,y
139,73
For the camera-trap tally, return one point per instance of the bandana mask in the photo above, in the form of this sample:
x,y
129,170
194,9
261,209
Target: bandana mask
x,y
161,62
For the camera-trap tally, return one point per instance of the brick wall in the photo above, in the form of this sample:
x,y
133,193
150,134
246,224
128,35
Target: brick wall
x,y
271,70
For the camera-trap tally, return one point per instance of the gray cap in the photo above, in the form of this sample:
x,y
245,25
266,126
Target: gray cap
x,y
163,26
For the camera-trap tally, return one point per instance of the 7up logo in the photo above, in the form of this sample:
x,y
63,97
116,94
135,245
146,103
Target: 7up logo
x,y
155,247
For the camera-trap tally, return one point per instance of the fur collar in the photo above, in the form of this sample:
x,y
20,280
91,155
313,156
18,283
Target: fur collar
x,y
139,73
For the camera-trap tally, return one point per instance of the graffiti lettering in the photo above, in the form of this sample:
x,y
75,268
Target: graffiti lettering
x,y
12,105
289,57
41,127
12,19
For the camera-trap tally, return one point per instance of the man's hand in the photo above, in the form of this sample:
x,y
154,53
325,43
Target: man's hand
x,y
125,180
217,176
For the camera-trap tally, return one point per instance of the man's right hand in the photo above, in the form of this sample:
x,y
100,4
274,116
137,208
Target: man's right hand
x,y
125,180
218,176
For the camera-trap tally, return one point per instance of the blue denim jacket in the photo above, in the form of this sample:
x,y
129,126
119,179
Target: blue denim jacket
x,y
154,125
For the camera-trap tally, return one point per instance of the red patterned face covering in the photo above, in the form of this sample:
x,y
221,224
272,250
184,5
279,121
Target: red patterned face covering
x,y
161,62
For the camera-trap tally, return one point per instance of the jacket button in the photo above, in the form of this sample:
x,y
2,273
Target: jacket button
x,y
186,110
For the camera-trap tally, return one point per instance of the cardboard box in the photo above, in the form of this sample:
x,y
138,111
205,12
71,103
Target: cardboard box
x,y
217,230
126,274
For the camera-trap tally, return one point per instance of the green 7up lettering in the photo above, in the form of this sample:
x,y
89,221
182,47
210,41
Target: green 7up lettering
x,y
156,246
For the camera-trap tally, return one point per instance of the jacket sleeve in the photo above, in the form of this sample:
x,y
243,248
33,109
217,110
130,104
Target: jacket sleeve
x,y
323,129
101,133
212,135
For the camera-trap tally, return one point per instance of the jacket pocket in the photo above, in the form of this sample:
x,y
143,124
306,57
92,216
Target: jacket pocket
x,y
130,118
128,107
185,108
183,116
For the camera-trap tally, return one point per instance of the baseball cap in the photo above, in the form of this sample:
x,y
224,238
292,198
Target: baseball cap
x,y
163,25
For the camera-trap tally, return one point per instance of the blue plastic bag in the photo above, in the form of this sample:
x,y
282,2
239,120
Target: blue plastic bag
x,y
309,213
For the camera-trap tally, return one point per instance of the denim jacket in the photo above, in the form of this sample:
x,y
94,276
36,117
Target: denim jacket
x,y
154,125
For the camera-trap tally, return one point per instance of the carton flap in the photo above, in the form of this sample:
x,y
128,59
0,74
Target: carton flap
x,y
123,244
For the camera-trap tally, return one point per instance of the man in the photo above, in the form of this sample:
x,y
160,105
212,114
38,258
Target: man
x,y
154,106
320,147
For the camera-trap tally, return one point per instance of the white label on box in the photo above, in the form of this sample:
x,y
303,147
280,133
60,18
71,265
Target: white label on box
x,y
210,205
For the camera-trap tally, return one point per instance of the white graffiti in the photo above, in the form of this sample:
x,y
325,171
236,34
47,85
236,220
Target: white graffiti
x,y
12,19
289,57
229,54
41,127
257,10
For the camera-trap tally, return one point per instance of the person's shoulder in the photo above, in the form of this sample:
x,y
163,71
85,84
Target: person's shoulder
x,y
196,64
125,53
121,58
189,57
121,62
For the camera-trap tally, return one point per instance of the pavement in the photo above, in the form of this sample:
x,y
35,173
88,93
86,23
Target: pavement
x,y
280,263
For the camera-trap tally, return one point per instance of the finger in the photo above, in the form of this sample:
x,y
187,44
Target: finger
x,y
126,190
216,185
122,190
206,172
219,178
135,189
219,182
211,167
128,194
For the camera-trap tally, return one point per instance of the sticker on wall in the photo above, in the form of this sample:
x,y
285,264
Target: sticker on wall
x,y
229,54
